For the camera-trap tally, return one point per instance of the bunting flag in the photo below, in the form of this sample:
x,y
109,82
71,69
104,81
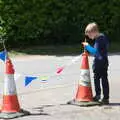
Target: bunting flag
x,y
60,69
29,79
75,59
3,55
43,78
16,75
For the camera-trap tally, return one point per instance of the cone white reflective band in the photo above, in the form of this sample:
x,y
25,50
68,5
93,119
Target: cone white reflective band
x,y
85,78
9,85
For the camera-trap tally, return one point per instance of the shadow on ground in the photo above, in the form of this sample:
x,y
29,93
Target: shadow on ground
x,y
40,110
114,104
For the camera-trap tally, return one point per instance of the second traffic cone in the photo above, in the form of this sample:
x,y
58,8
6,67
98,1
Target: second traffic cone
x,y
10,107
84,96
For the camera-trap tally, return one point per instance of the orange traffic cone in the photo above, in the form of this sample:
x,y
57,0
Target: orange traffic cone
x,y
11,107
84,95
10,100
84,92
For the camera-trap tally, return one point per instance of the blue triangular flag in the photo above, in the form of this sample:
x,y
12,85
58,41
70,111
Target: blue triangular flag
x,y
28,80
3,55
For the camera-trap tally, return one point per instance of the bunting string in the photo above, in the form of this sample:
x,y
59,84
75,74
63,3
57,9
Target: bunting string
x,y
29,79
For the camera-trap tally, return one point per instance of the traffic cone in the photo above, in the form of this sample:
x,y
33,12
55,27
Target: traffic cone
x,y
10,107
84,96
84,92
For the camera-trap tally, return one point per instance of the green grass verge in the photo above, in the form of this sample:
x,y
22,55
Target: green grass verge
x,y
57,50
114,47
48,50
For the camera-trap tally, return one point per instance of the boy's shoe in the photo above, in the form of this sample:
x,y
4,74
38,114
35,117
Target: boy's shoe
x,y
105,101
96,98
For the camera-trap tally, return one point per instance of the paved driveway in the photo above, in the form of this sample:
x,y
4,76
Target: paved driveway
x,y
47,100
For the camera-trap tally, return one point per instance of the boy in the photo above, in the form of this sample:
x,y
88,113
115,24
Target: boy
x,y
100,64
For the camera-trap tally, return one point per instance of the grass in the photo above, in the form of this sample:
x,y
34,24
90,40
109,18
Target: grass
x,y
48,50
114,47
57,50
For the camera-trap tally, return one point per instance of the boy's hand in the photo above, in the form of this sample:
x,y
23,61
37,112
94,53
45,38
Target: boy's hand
x,y
85,43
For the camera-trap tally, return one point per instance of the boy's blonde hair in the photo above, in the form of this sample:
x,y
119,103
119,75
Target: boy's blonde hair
x,y
91,27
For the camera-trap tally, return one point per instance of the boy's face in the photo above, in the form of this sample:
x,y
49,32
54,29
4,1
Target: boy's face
x,y
91,35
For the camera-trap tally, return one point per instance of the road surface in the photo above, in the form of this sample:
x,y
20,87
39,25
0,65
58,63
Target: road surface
x,y
47,100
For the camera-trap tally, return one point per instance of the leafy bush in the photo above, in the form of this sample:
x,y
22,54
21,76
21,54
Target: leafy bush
x,y
33,22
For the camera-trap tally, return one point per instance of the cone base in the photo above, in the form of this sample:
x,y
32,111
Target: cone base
x,y
10,104
84,94
83,104
4,115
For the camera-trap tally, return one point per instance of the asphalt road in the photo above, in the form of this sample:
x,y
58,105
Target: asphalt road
x,y
47,100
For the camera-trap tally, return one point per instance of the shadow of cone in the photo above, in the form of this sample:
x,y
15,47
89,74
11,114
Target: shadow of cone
x,y
10,107
84,96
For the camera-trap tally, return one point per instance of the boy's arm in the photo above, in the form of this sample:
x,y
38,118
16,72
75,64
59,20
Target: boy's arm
x,y
91,49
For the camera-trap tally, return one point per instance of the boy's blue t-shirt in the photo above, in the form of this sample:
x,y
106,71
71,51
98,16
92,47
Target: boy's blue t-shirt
x,y
100,49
